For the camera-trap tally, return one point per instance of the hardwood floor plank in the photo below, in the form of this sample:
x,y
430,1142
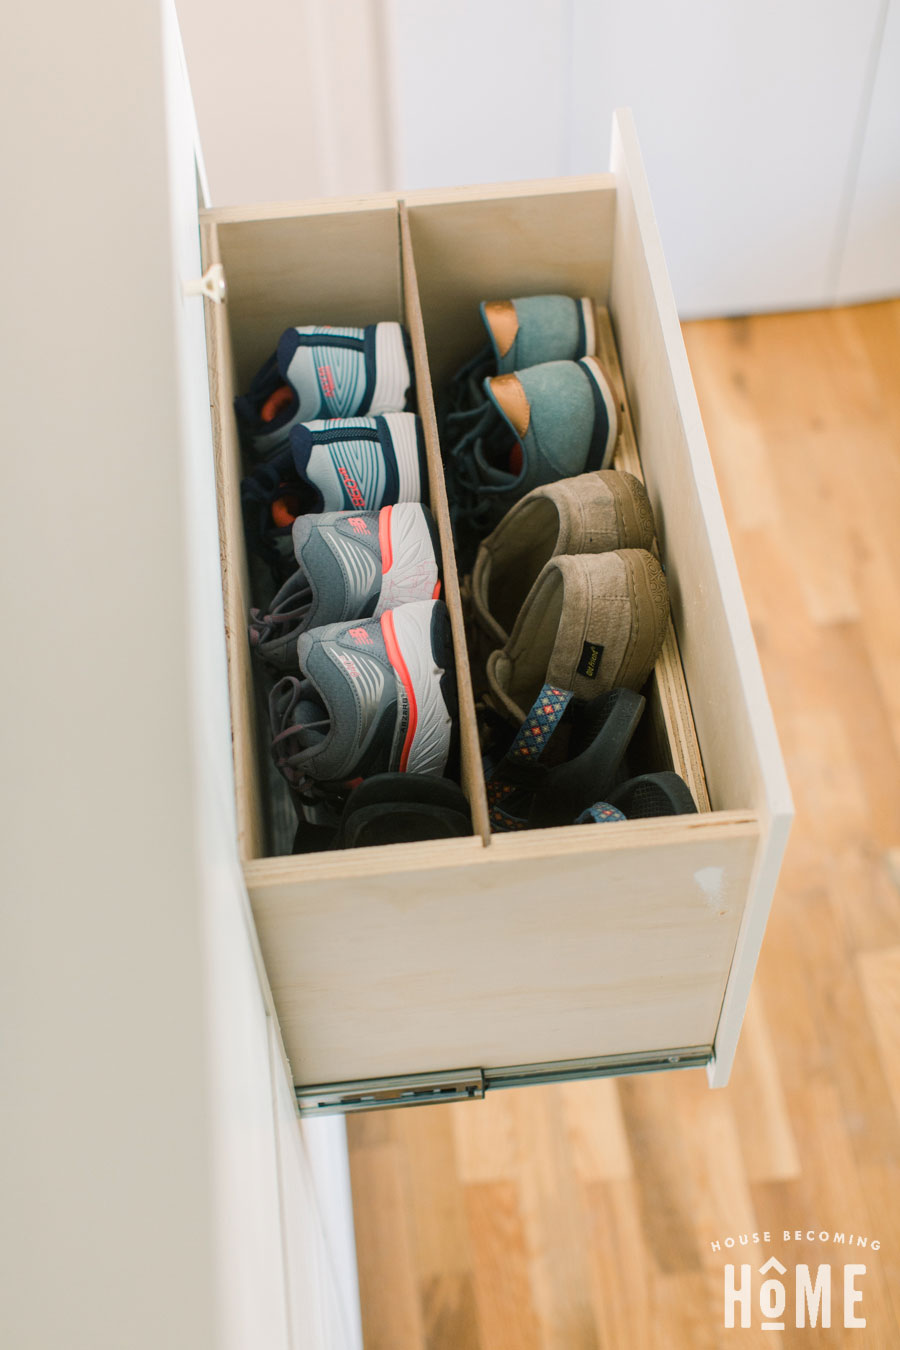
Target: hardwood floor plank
x,y
621,1268
592,1114
555,1224
502,1279
767,1139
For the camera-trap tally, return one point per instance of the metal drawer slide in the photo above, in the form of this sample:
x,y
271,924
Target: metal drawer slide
x,y
379,1094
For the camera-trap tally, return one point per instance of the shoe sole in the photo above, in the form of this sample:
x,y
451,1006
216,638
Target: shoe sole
x,y
653,794
634,514
650,610
595,371
406,438
408,557
392,373
408,638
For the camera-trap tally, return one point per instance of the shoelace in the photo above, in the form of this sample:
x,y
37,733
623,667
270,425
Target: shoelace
x,y
263,627
283,699
468,503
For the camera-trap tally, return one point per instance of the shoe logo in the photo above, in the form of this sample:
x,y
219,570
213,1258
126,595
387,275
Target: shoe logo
x,y
347,662
360,636
359,565
368,678
591,656
352,488
326,380
359,525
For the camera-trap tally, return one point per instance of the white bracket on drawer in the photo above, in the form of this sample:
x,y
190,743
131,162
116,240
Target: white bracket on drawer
x,y
211,284
379,1094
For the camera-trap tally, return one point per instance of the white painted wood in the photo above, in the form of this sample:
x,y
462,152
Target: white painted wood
x,y
869,264
276,1281
290,97
325,1142
252,1291
719,652
319,1250
108,1223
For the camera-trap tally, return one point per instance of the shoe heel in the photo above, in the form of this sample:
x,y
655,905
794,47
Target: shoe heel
x,y
409,449
411,551
417,637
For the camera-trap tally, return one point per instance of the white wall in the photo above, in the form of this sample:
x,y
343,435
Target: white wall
x,y
752,118
157,1189
290,96
107,1199
770,129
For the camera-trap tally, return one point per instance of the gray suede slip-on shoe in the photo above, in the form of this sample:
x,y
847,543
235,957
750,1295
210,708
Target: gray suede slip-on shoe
x,y
590,622
593,513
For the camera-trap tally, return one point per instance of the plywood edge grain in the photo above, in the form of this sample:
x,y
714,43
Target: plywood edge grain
x,y
316,206
234,567
271,876
675,703
536,187
470,751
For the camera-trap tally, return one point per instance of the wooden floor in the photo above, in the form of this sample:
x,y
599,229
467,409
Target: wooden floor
x,y
581,1216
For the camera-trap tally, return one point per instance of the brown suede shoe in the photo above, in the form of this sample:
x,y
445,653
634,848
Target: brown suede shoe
x,y
593,513
590,623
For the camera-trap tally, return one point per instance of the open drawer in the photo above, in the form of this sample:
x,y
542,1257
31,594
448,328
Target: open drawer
x,y
435,970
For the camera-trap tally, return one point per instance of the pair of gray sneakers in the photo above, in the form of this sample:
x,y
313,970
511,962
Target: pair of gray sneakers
x,y
566,592
361,621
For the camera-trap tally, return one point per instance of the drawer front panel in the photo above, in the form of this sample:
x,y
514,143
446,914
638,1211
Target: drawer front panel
x,y
537,949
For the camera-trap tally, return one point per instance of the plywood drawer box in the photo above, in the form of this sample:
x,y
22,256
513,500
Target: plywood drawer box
x,y
432,970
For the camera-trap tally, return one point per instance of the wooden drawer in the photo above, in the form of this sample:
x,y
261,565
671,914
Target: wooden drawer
x,y
432,970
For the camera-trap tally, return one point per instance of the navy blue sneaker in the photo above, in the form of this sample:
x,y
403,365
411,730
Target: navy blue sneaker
x,y
377,696
341,464
319,372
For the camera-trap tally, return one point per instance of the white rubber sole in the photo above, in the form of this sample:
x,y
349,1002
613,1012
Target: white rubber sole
x,y
402,427
598,375
590,328
413,571
392,377
429,745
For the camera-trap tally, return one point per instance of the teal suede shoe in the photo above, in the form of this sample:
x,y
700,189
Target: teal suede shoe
x,y
535,426
522,333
